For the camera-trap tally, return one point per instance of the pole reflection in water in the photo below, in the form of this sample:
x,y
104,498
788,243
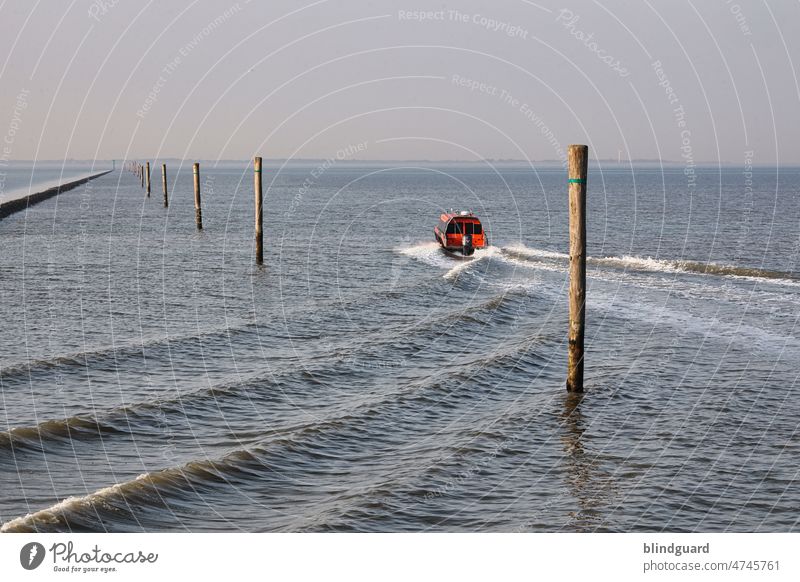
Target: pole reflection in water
x,y
588,483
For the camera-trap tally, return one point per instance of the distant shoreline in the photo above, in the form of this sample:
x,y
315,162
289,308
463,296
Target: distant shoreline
x,y
357,162
11,206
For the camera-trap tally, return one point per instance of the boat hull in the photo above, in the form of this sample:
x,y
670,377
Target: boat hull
x,y
456,250
458,255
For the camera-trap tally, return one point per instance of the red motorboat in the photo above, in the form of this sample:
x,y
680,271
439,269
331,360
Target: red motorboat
x,y
460,232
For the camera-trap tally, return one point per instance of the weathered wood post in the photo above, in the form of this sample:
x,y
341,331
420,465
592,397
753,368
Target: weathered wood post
x,y
147,178
578,159
164,184
141,175
259,200
198,211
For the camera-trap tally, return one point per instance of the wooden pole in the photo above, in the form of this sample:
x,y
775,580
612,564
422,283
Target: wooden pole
x,y
164,184
147,178
141,175
578,159
259,218
198,211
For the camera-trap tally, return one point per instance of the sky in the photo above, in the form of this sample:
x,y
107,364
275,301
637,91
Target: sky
x,y
689,81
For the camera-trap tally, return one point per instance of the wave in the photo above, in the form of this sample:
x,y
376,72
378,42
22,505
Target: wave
x,y
93,511
111,504
233,327
116,351
427,252
432,254
74,427
522,250
733,271
696,267
130,418
657,265
480,255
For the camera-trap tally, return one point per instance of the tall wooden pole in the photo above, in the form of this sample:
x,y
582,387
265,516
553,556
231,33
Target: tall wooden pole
x,y
147,179
198,212
164,184
259,201
141,175
578,159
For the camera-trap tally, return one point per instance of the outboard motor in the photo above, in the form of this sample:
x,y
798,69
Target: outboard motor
x,y
466,245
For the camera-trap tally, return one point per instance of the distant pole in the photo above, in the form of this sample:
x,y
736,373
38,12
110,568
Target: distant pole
x,y
147,179
259,204
198,211
578,159
141,175
164,184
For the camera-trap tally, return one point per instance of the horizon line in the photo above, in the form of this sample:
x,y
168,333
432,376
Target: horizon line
x,y
397,160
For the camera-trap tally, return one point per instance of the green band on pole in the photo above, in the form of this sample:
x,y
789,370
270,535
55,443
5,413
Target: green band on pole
x,y
577,181
259,171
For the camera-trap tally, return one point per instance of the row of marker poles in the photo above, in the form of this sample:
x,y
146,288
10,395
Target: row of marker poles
x,y
577,163
142,171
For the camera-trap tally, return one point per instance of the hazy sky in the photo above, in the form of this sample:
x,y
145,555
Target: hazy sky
x,y
708,80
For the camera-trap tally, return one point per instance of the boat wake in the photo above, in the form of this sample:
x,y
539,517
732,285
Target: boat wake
x,y
549,259
432,254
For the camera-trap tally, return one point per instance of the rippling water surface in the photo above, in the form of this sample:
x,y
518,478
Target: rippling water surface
x,y
153,378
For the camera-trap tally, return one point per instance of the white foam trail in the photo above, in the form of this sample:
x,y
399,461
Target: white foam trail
x,y
538,253
427,252
651,264
521,255
431,253
643,263
52,513
479,255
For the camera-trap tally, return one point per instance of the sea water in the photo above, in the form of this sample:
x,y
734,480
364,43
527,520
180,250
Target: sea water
x,y
153,378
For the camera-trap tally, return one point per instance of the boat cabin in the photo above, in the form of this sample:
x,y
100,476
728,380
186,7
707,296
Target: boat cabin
x,y
460,232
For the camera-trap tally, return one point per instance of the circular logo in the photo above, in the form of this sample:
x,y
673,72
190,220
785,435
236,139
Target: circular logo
x,y
31,555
